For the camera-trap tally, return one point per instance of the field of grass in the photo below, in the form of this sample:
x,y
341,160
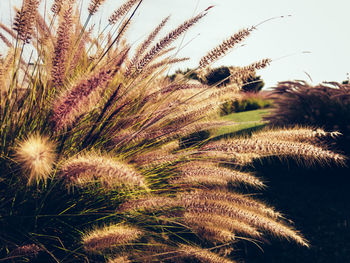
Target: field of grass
x,y
245,121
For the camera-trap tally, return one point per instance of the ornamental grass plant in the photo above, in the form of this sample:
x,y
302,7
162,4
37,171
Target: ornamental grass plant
x,y
326,105
91,168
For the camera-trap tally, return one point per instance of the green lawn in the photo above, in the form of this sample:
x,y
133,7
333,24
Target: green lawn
x,y
244,120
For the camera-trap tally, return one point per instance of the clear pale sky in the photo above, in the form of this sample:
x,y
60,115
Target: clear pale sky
x,y
317,26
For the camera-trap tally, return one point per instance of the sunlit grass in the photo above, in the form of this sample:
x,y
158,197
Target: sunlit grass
x,y
244,120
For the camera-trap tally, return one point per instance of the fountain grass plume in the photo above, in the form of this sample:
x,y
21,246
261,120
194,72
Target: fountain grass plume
x,y
108,237
93,155
25,19
56,6
121,11
224,47
167,40
203,255
94,168
94,5
59,62
36,157
5,40
206,173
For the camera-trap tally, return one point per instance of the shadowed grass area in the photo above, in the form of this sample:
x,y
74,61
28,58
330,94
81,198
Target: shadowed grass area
x,y
316,198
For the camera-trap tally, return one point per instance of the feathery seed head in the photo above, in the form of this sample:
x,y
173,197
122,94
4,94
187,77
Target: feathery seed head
x,y
167,40
94,5
203,255
61,48
240,75
143,47
232,198
224,223
241,213
121,259
224,47
209,174
36,154
121,11
91,168
73,102
109,237
263,147
5,40
25,19
297,134
57,6
30,251
149,203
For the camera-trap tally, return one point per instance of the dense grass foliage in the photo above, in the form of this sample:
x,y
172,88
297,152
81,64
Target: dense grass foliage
x,y
247,102
91,165
218,76
326,105
253,84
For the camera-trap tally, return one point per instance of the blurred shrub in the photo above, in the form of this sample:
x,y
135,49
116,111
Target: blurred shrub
x,y
253,84
326,105
188,74
218,76
250,101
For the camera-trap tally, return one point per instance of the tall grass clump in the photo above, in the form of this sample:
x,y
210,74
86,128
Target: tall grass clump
x,y
91,167
326,105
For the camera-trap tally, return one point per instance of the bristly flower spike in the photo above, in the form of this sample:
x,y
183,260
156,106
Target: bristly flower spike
x,y
36,155
29,251
94,5
224,47
5,40
61,49
110,236
143,47
57,6
167,40
91,168
121,11
73,102
25,19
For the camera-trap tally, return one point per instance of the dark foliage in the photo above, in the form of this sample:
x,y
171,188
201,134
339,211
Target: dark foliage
x,y
251,101
253,84
326,105
218,76
188,74
317,197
